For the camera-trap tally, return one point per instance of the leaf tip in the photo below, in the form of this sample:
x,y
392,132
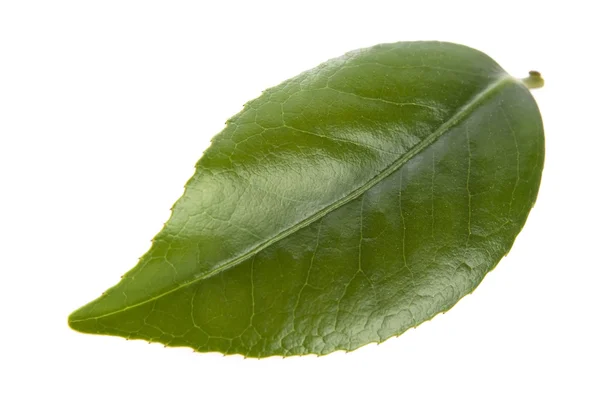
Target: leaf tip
x,y
75,321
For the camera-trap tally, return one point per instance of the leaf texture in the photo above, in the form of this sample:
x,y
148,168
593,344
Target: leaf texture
x,y
342,207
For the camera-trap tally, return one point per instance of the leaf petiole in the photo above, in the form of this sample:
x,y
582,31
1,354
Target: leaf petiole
x,y
534,80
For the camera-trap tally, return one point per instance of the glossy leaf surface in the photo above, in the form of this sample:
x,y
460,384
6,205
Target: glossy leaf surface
x,y
344,206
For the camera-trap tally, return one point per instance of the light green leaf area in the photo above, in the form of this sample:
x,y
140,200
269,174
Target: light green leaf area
x,y
342,207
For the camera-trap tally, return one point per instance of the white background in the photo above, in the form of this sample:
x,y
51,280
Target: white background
x,y
105,107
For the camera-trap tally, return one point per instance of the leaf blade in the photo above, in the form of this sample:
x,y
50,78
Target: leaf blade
x,y
498,85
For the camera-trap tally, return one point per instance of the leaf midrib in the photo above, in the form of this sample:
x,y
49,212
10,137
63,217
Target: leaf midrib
x,y
463,112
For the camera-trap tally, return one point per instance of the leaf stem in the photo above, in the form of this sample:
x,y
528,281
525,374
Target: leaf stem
x,y
534,80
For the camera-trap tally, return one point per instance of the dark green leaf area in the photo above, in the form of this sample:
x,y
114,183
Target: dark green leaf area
x,y
340,208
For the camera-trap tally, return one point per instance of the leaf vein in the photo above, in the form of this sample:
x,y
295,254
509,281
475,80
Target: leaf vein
x,y
459,116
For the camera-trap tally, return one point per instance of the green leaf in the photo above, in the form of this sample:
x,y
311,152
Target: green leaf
x,y
342,207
